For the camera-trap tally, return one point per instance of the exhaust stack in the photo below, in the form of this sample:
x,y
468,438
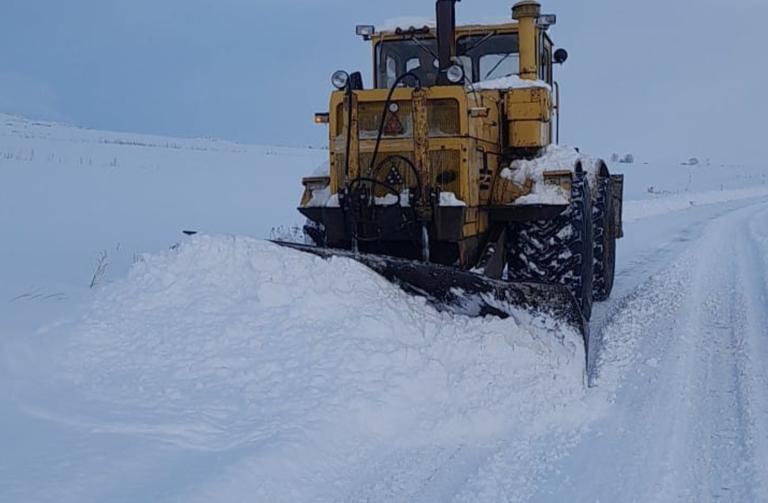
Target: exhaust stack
x,y
526,13
446,37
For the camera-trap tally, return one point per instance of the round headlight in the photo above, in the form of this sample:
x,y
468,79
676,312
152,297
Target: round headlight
x,y
340,79
455,74
394,108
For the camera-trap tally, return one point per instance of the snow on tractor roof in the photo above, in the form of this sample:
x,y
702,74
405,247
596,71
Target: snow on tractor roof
x,y
405,22
511,82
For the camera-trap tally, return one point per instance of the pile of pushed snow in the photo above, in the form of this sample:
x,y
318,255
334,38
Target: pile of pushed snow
x,y
227,341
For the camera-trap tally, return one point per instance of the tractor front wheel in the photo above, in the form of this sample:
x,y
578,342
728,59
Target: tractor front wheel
x,y
560,250
605,243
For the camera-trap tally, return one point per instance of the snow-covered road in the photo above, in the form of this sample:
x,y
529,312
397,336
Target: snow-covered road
x,y
690,420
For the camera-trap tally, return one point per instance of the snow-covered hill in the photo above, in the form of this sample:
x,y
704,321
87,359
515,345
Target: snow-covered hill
x,y
69,196
227,369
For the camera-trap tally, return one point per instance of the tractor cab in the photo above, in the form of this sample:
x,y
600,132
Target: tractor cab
x,y
482,53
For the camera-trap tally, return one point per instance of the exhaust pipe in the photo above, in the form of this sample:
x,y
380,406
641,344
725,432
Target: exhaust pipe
x,y
446,37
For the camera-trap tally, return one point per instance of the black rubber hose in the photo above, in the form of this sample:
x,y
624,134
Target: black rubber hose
x,y
389,188
384,115
349,132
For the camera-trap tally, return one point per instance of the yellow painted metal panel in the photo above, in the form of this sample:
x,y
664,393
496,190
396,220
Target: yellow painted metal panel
x,y
526,13
525,134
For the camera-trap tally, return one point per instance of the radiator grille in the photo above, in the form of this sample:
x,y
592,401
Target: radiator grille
x,y
444,168
443,118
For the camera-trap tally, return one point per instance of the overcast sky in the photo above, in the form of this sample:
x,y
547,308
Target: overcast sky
x,y
665,79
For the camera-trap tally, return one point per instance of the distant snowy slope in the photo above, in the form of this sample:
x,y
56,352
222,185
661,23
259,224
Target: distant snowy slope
x,y
161,184
69,195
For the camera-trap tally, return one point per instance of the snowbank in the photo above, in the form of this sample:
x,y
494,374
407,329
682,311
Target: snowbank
x,y
227,343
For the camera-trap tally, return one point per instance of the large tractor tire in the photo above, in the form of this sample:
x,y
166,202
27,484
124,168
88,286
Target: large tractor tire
x,y
558,251
605,243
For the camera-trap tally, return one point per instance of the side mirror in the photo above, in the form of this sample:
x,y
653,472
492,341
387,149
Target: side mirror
x,y
356,81
561,56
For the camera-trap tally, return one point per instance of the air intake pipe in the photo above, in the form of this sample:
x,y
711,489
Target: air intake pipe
x,y
446,38
526,13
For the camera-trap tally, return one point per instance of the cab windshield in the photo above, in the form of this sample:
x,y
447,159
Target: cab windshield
x,y
490,57
484,57
397,57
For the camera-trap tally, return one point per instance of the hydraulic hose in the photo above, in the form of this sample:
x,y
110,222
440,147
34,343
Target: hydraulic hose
x,y
384,114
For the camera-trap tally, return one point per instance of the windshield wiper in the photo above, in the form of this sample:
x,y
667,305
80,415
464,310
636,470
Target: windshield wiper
x,y
424,46
479,42
498,64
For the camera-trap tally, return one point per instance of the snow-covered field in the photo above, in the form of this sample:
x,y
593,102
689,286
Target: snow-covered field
x,y
221,368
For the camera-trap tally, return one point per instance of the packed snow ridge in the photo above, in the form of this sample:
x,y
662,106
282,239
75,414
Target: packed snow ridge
x,y
228,342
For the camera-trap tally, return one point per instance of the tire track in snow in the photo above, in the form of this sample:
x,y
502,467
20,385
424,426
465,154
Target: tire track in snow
x,y
647,256
752,304
706,440
434,473
703,434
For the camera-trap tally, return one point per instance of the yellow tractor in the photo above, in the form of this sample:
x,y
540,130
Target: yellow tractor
x,y
446,177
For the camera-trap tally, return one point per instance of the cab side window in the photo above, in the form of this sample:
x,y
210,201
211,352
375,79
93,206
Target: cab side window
x,y
545,66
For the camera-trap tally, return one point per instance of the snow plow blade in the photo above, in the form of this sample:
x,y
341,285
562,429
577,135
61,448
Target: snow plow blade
x,y
464,292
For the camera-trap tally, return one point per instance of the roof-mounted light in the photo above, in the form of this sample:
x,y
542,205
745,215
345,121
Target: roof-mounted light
x,y
544,21
366,31
412,30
